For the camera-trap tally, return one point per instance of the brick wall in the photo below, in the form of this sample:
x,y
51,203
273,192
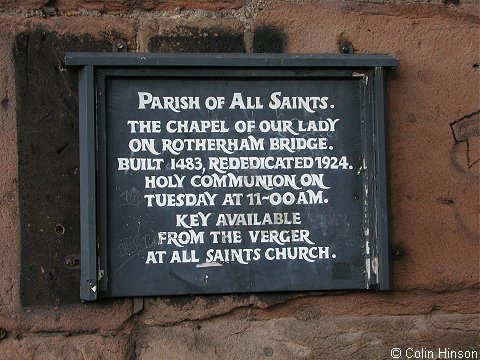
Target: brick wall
x,y
434,160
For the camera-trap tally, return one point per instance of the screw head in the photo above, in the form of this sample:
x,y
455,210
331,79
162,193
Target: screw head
x,y
346,47
119,45
72,262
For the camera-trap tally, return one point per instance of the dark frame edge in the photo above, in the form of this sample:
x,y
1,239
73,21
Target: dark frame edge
x,y
381,201
101,181
88,237
366,113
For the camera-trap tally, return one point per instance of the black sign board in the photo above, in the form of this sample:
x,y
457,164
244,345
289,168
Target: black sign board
x,y
231,173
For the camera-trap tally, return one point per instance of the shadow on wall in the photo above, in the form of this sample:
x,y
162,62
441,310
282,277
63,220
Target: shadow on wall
x,y
186,39
269,39
48,176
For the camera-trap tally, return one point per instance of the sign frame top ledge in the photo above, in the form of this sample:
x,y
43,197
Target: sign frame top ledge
x,y
80,59
371,232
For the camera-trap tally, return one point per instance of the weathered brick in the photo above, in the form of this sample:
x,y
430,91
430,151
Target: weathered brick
x,y
51,346
122,5
371,304
305,306
21,5
107,315
163,311
323,338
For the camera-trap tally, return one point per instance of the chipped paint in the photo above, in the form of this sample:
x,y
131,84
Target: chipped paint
x,y
367,270
374,264
357,74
